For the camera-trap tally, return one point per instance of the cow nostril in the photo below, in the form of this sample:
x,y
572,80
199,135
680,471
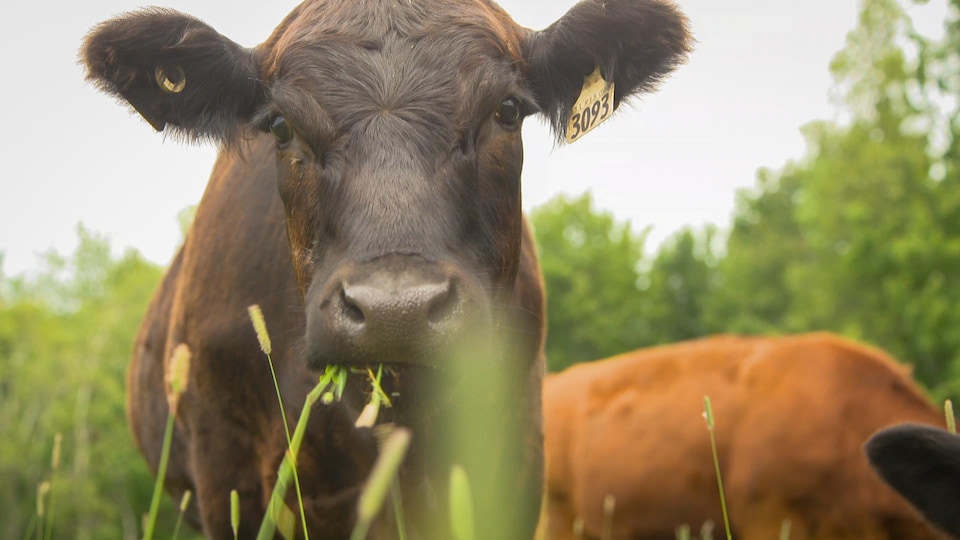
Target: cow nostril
x,y
444,306
350,308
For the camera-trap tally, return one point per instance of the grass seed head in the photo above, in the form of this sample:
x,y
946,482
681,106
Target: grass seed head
x,y
42,489
178,376
185,500
260,326
951,419
234,511
708,412
55,458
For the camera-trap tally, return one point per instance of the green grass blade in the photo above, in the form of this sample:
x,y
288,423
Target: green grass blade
x,y
381,477
158,484
54,468
397,501
951,419
235,512
260,327
461,505
708,416
606,528
43,488
785,530
276,506
184,502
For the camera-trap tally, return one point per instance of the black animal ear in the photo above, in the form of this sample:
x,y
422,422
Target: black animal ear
x,y
174,69
923,464
635,43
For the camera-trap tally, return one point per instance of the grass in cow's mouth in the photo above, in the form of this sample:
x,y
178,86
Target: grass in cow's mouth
x,y
330,387
336,377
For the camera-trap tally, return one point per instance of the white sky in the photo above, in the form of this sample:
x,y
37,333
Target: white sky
x,y
72,155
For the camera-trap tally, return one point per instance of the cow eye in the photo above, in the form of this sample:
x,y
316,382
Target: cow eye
x,y
508,113
281,130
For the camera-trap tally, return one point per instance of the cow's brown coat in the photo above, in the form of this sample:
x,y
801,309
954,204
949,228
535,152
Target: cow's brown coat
x,y
791,416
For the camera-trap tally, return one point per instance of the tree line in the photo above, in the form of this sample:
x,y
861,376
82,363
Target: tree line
x,y
860,237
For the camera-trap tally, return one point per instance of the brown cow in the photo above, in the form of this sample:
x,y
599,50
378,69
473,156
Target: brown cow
x,y
923,464
791,416
369,201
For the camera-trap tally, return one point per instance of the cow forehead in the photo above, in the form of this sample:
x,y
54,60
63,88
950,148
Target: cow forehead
x,y
343,66
442,35
367,22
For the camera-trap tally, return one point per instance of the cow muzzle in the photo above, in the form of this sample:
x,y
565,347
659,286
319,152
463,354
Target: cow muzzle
x,y
402,310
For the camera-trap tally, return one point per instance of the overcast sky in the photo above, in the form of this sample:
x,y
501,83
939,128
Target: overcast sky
x,y
758,73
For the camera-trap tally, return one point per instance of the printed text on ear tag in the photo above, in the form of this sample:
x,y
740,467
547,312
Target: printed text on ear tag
x,y
592,108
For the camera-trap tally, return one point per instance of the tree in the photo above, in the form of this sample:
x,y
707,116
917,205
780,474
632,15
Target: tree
x,y
591,270
860,237
681,282
65,339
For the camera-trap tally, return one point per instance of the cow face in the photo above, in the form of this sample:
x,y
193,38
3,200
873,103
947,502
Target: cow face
x,y
395,128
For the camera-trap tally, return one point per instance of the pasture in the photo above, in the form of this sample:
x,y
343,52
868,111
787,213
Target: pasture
x,y
858,237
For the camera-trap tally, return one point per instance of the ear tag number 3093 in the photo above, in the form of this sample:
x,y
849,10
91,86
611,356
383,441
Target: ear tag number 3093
x,y
592,108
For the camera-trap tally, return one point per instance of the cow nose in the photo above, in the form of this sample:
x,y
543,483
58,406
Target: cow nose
x,y
406,317
429,308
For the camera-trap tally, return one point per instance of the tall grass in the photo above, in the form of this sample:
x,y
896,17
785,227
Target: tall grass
x,y
951,419
279,518
381,477
184,503
708,416
277,513
177,379
54,469
461,505
263,337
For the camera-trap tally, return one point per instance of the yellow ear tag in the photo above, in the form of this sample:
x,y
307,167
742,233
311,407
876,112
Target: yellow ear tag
x,y
592,108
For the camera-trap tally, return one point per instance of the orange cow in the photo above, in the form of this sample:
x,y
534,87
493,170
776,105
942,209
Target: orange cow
x,y
791,415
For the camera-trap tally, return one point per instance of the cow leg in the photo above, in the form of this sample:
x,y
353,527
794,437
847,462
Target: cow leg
x,y
223,461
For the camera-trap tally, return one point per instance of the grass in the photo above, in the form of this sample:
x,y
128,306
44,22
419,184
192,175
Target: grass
x,y
330,386
951,419
235,512
461,505
382,479
177,378
263,337
708,416
42,522
54,469
277,512
184,503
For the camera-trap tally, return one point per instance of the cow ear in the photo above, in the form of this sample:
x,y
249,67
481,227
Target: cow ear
x,y
174,70
923,464
635,43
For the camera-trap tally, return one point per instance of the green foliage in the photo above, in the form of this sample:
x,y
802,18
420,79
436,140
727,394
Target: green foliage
x,y
65,340
766,238
591,270
604,296
861,237
681,279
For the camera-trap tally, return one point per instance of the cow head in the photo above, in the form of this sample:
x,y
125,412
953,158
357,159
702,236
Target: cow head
x,y
395,129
